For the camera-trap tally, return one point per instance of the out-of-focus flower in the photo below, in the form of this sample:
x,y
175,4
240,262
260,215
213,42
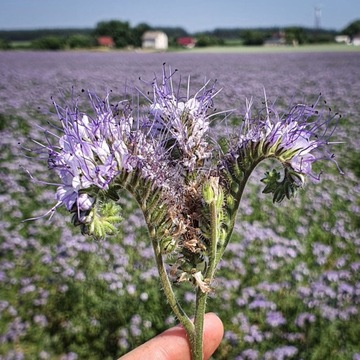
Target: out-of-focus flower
x,y
275,318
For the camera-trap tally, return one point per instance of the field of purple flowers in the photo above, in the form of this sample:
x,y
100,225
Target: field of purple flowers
x,y
288,286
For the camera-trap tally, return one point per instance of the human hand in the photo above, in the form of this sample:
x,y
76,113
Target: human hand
x,y
173,344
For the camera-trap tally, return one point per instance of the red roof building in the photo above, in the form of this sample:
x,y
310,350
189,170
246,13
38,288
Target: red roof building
x,y
105,41
186,41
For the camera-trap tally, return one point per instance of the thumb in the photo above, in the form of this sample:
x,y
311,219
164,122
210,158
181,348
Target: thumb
x,y
173,343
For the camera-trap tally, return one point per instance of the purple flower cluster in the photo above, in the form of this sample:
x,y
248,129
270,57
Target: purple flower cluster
x,y
292,137
185,121
327,296
91,152
170,138
167,139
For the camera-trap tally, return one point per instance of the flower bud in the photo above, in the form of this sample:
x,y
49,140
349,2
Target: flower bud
x,y
211,190
103,219
208,193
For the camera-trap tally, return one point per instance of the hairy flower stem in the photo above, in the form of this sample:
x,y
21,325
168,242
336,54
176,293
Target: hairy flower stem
x,y
149,200
169,293
241,177
215,205
201,297
197,342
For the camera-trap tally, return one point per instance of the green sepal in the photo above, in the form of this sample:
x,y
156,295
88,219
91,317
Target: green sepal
x,y
280,189
271,180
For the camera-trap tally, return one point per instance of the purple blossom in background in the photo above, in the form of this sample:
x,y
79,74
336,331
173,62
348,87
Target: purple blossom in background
x,y
231,337
321,252
69,356
43,355
304,318
275,318
249,354
281,353
261,303
40,320
14,355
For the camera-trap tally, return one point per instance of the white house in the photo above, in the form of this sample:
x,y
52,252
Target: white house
x,y
155,40
355,40
343,39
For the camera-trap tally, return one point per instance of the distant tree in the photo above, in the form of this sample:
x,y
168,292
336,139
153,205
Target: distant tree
x,y
4,44
49,43
296,34
227,33
352,29
253,37
137,33
173,32
31,35
203,40
118,30
79,41
321,37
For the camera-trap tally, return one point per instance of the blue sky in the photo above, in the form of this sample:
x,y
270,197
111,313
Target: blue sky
x,y
192,15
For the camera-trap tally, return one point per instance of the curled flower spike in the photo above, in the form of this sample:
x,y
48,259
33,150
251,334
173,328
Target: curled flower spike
x,y
295,139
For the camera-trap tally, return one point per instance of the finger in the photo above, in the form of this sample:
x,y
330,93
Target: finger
x,y
173,344
213,334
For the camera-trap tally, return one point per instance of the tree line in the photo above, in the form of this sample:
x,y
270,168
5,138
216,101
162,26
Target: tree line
x,y
126,36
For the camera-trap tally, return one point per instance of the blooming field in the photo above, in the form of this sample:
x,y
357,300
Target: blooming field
x,y
288,286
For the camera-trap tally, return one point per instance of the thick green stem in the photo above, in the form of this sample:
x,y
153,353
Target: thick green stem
x,y
200,307
201,297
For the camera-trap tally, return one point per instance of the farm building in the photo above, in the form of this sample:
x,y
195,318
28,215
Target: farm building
x,y
186,41
105,41
277,39
355,40
155,40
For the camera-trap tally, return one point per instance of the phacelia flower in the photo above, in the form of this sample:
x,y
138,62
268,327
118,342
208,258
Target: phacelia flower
x,y
166,154
166,141
183,122
92,151
295,138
